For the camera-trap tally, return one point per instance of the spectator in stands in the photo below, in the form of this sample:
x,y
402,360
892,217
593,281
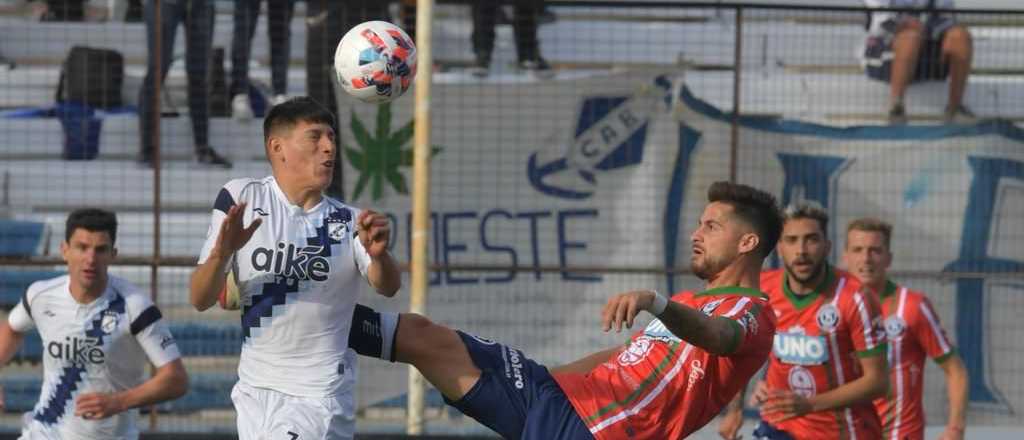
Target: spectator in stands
x,y
99,334
485,15
197,16
279,17
922,45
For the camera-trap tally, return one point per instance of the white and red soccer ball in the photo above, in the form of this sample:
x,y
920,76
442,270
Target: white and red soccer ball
x,y
375,62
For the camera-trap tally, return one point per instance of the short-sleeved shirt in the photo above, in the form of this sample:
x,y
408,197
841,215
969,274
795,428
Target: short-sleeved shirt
x,y
915,334
102,346
661,387
821,337
298,277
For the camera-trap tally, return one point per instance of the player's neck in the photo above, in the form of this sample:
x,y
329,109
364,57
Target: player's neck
x,y
84,295
738,274
811,285
878,287
303,197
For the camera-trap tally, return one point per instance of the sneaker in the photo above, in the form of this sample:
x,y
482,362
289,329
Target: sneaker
x,y
537,67
278,99
209,156
482,67
240,108
897,115
960,115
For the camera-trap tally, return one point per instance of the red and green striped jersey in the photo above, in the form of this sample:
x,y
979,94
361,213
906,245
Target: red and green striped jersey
x,y
820,338
661,387
915,334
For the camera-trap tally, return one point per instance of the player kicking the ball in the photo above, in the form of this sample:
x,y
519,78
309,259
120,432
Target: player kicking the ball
x,y
673,377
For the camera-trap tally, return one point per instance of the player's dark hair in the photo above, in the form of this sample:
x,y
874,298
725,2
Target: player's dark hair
x,y
809,210
754,207
289,113
871,224
92,220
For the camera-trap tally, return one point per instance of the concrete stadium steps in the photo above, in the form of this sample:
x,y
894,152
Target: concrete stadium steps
x,y
58,185
43,138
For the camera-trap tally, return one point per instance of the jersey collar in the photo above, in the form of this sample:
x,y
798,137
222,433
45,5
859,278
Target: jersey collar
x,y
293,209
732,290
890,288
802,301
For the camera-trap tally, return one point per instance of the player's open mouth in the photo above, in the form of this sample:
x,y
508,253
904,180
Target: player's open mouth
x,y
329,164
697,250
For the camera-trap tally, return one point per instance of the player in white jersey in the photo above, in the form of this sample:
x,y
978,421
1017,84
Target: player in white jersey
x,y
300,266
98,331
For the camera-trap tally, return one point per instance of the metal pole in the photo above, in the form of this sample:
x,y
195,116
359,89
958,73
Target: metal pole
x,y
736,68
420,199
157,83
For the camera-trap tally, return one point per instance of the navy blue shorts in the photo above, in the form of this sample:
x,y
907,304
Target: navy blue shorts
x,y
764,431
517,397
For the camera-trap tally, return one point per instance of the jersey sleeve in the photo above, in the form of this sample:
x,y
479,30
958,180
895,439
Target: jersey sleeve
x,y
19,319
865,317
928,330
225,200
359,255
150,330
749,319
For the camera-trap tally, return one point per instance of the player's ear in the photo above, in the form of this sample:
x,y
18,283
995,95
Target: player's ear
x,y
749,242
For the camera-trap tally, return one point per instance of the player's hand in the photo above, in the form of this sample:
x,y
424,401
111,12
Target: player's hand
x,y
952,433
232,234
730,425
760,394
784,405
621,309
374,232
96,406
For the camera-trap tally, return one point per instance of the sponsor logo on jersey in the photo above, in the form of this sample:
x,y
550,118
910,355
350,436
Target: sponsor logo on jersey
x,y
514,367
696,374
108,323
636,351
302,263
710,307
799,349
656,330
802,382
894,327
77,350
828,318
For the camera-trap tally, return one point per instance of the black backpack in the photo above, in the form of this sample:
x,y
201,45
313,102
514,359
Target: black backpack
x,y
92,76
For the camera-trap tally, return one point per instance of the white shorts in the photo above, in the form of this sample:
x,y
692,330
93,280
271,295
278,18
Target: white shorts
x,y
265,414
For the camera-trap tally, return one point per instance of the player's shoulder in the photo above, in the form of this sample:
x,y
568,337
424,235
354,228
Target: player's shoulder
x,y
136,300
48,286
771,280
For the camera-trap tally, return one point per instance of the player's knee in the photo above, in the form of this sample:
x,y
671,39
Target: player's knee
x,y
420,338
957,37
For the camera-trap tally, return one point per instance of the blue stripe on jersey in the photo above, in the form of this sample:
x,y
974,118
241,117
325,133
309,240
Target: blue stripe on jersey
x,y
71,375
276,292
224,201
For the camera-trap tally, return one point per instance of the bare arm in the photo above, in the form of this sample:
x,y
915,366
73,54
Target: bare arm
x,y
10,342
587,363
169,382
732,417
716,335
208,278
956,384
374,235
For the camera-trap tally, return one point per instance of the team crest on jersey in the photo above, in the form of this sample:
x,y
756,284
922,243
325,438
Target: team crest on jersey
x,y
636,352
828,318
108,322
710,307
894,327
802,382
336,231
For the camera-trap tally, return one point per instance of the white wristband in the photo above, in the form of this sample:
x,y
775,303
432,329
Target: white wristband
x,y
659,305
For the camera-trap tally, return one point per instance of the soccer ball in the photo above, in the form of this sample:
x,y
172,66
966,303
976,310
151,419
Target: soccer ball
x,y
375,62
